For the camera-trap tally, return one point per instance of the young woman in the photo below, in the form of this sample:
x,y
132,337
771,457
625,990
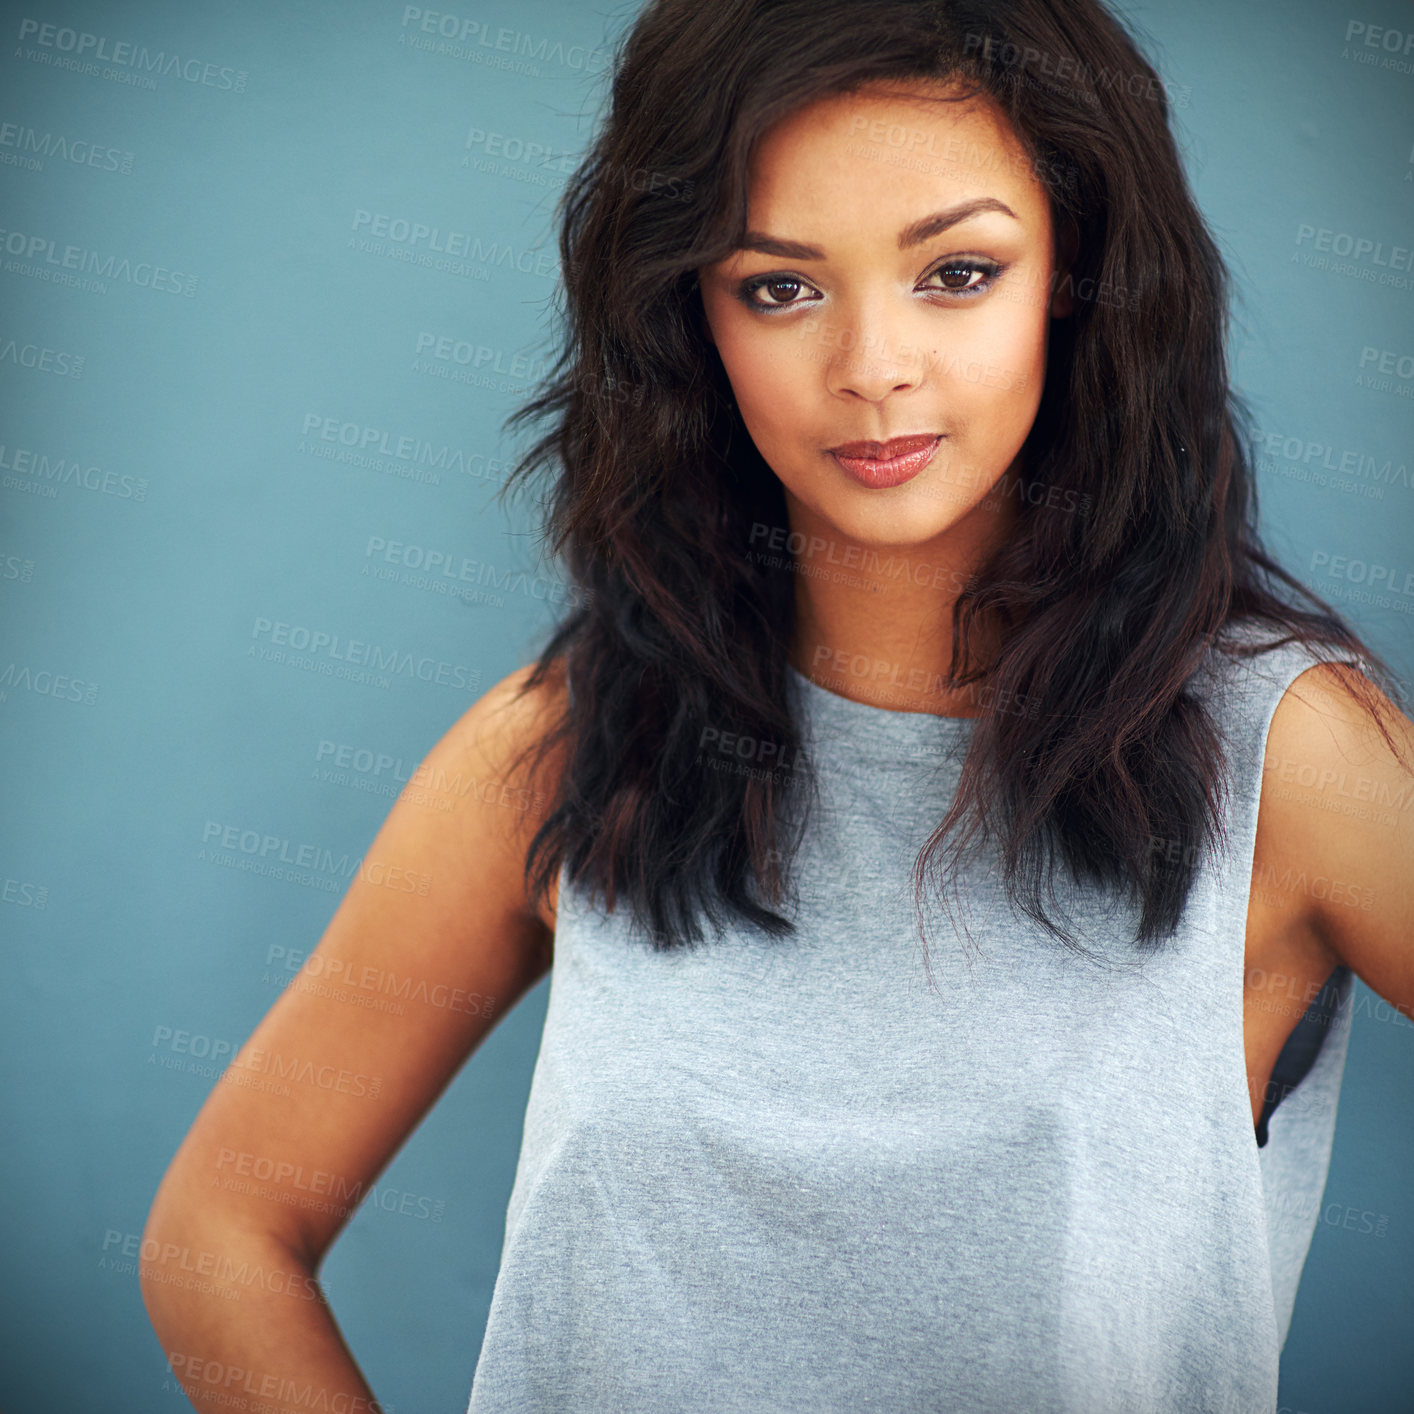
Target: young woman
x,y
898,462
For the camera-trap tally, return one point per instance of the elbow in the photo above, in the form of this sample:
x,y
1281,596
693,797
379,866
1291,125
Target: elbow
x,y
193,1239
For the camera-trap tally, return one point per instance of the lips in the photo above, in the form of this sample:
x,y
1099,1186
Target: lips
x,y
878,465
885,451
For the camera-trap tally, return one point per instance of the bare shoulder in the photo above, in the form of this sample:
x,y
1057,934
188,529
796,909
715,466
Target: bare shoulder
x,y
512,711
493,752
1323,739
1336,824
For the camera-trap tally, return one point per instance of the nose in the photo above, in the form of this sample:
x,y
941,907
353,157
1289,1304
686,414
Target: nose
x,y
866,362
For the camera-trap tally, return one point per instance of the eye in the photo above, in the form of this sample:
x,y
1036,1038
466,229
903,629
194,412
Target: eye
x,y
958,276
775,285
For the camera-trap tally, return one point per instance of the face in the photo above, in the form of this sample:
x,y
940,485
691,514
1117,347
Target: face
x,y
895,283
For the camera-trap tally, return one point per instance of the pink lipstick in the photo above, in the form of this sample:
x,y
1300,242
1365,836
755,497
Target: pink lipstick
x,y
891,463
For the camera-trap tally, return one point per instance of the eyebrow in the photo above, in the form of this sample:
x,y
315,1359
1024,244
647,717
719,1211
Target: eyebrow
x,y
911,235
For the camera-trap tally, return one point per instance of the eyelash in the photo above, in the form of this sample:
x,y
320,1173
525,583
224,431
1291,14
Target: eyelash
x,y
990,268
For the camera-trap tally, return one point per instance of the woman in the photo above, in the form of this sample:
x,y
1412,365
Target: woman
x,y
900,470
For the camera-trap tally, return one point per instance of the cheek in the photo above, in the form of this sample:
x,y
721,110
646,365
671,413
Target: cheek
x,y
767,376
1005,353
989,382
1016,371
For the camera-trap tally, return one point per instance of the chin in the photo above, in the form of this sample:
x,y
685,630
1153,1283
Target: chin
x,y
902,515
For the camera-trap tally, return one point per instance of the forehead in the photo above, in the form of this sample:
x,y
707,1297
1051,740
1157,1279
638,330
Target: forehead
x,y
887,147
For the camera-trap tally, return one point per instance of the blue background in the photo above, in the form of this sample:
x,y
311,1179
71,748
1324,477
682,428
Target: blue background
x,y
192,497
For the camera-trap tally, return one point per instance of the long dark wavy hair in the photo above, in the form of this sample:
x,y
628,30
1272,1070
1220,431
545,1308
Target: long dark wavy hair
x,y
657,484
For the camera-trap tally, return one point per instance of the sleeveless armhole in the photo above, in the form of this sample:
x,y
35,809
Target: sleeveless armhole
x,y
1296,1129
1301,1048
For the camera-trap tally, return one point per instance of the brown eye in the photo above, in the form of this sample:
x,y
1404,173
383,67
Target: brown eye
x,y
781,290
769,293
956,277
784,292
965,276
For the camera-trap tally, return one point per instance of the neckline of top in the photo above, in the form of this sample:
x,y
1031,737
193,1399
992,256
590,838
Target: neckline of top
x,y
867,725
887,733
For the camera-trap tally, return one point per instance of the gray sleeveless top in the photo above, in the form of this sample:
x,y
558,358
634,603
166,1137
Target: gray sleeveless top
x,y
788,1175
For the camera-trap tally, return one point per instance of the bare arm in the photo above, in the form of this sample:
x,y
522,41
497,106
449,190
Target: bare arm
x,y
265,1180
1348,822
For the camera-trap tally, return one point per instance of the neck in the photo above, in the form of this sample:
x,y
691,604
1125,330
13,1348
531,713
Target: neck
x,y
873,622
